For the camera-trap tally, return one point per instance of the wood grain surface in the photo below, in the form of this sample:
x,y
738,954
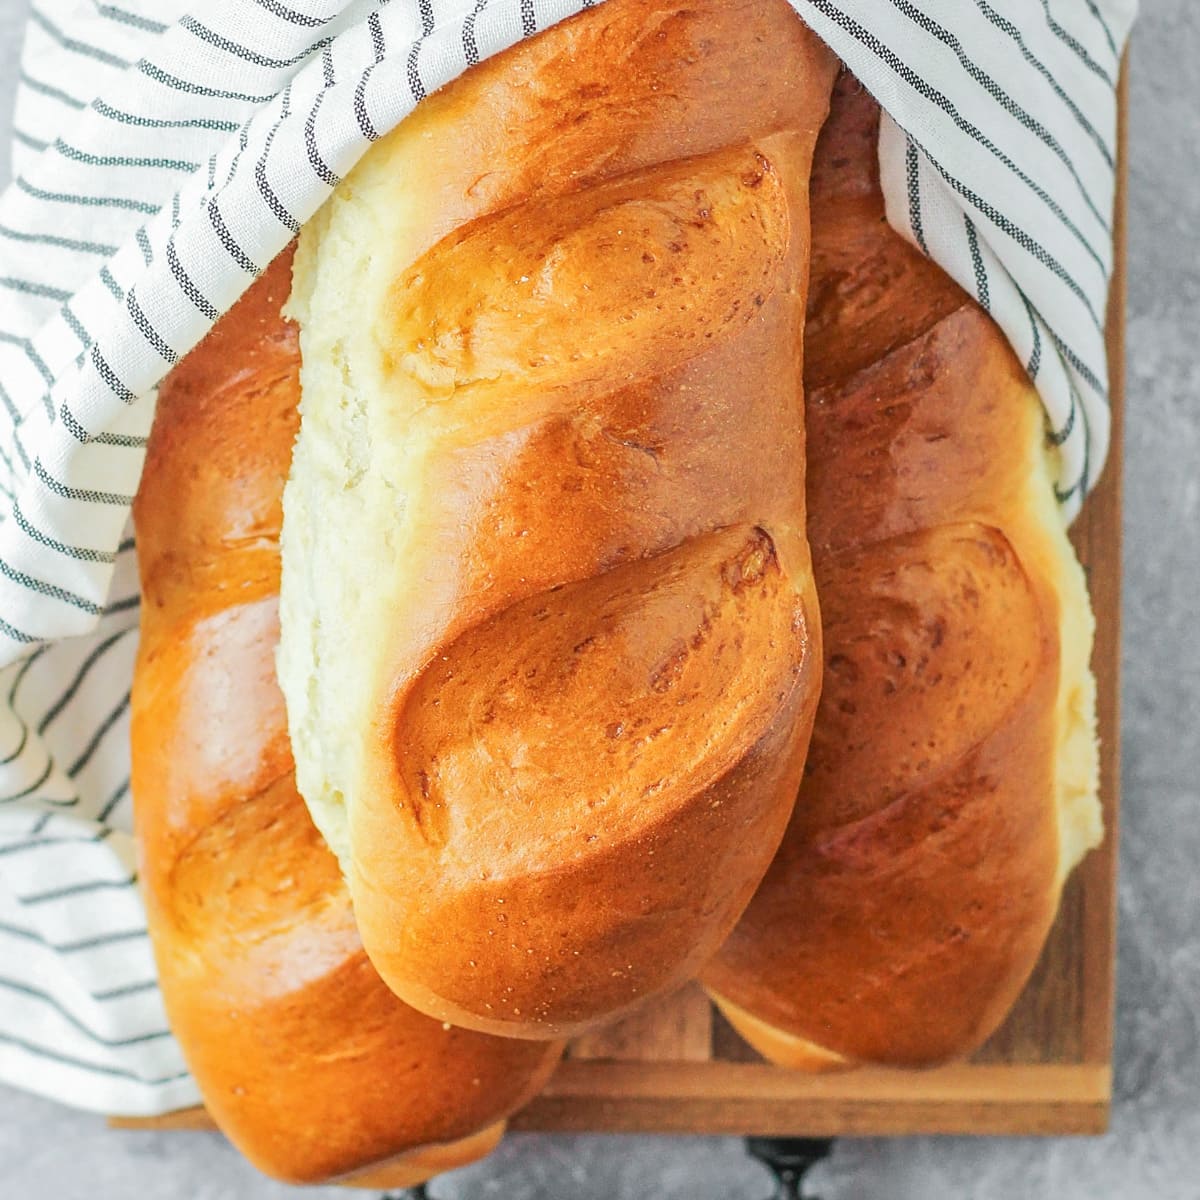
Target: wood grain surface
x,y
677,1067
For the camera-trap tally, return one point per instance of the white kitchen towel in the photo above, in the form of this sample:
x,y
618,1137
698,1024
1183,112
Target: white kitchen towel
x,y
163,157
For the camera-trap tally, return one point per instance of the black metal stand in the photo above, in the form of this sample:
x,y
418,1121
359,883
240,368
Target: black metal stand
x,y
788,1159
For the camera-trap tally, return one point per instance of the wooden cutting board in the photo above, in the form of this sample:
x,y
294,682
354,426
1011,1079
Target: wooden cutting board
x,y
678,1067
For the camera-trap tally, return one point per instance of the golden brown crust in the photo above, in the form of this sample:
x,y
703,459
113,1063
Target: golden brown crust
x,y
920,872
590,719
305,1059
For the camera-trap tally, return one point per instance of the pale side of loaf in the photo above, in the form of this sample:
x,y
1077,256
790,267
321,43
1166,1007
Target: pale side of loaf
x,y
951,784
550,637
305,1059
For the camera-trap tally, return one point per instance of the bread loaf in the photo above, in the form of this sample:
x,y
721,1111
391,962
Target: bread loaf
x,y
549,636
305,1059
952,778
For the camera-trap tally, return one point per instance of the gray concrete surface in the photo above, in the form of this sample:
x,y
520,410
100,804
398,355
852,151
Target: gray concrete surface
x,y
1153,1150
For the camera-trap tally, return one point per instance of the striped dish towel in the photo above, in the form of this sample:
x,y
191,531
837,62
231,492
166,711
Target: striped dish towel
x,y
162,159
